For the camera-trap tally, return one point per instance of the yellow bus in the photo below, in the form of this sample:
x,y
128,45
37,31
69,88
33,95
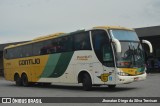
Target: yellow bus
x,y
103,55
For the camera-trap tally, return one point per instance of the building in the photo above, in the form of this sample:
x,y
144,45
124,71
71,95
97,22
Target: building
x,y
151,34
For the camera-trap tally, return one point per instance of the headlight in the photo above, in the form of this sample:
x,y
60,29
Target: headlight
x,y
121,73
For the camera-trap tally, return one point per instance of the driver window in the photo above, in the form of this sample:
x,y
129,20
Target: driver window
x,y
102,47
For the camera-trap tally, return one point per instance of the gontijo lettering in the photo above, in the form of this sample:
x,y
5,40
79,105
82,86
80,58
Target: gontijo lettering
x,y
29,61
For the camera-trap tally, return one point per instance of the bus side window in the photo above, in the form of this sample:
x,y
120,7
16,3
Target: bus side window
x,y
51,46
54,47
46,48
20,52
82,41
11,54
26,50
5,54
8,54
37,48
66,44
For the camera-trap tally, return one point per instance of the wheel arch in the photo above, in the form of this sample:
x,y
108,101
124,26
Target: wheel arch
x,y
16,74
27,74
81,73
24,73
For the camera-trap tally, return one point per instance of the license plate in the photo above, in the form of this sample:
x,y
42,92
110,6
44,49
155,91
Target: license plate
x,y
136,78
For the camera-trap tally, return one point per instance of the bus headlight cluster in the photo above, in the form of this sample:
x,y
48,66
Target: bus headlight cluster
x,y
121,73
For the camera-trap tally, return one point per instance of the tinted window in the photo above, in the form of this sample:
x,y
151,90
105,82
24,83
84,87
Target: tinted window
x,y
46,47
25,51
10,53
19,52
82,41
57,45
51,46
66,44
37,48
102,47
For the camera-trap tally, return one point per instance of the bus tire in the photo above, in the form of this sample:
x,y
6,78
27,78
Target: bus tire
x,y
25,82
17,80
111,86
87,82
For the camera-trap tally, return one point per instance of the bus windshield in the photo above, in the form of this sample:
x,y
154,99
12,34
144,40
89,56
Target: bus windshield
x,y
132,52
124,35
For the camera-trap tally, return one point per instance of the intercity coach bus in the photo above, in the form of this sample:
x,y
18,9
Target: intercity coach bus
x,y
103,55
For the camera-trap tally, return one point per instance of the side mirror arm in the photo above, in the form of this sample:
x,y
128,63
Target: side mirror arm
x,y
149,44
117,45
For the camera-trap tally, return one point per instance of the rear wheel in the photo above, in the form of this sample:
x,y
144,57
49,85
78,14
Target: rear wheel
x,y
87,82
18,80
25,82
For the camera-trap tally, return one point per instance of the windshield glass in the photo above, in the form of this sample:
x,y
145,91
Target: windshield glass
x,y
132,53
124,35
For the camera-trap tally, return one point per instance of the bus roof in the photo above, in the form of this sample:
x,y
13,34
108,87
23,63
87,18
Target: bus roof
x,y
42,38
48,36
55,35
112,27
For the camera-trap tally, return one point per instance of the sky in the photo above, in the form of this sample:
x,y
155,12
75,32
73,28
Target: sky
x,y
22,20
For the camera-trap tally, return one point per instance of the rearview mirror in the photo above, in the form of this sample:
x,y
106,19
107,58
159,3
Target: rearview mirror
x,y
117,45
149,44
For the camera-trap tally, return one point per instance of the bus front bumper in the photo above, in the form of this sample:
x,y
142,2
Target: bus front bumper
x,y
129,79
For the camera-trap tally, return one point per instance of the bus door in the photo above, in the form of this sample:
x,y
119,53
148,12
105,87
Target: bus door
x,y
103,51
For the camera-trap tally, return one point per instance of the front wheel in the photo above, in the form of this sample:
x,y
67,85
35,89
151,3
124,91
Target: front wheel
x,y
87,82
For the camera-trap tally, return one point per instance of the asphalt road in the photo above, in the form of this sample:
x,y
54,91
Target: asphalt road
x,y
148,88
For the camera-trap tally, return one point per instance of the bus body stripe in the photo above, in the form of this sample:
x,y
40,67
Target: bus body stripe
x,y
57,65
51,65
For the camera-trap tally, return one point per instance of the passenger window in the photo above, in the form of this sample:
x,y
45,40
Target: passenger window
x,y
37,48
58,45
82,41
46,48
67,44
26,50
